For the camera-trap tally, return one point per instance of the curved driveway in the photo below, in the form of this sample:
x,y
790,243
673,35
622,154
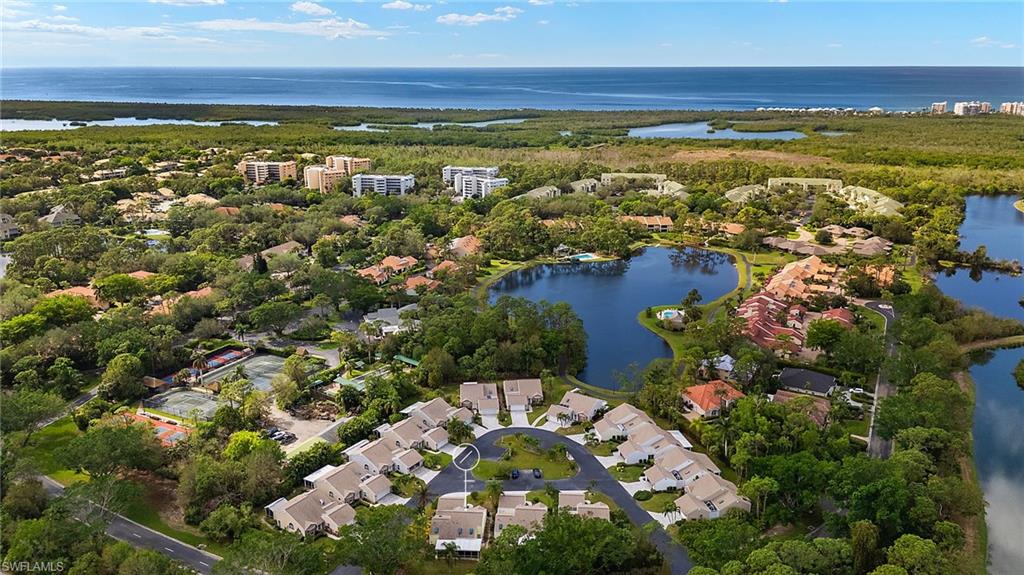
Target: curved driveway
x,y
591,475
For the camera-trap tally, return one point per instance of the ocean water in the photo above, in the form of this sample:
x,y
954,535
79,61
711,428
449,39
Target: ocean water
x,y
904,88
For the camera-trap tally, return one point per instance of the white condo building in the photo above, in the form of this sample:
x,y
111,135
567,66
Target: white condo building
x,y
1014,108
389,185
939,107
971,108
448,173
470,186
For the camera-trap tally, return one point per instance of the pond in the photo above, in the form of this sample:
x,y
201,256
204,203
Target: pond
x,y
372,126
991,221
999,456
608,296
699,130
16,125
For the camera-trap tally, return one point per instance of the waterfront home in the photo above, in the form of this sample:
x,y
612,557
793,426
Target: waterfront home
x,y
522,394
707,400
391,320
574,408
651,223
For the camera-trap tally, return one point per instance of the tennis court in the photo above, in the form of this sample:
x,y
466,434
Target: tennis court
x,y
183,403
259,369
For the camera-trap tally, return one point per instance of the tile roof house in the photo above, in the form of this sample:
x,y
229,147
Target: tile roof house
x,y
80,291
807,381
446,266
415,282
576,502
794,279
762,312
465,246
842,316
398,265
651,223
677,467
708,399
514,509
816,408
710,497
480,397
60,216
522,394
575,407
457,522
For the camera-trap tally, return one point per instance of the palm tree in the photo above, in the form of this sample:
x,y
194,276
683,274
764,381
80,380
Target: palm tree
x,y
420,494
670,508
493,491
200,362
450,552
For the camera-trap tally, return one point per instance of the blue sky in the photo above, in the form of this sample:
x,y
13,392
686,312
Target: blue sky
x,y
527,33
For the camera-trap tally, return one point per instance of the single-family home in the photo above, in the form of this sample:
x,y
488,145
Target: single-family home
x,y
60,216
437,413
446,266
514,509
80,291
710,497
646,442
575,407
522,394
8,227
398,265
707,400
576,502
842,316
480,397
456,521
378,456
415,283
816,408
465,246
807,381
619,422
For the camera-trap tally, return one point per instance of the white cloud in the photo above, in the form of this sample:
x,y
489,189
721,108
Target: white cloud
x,y
834,45
113,33
541,2
14,8
986,42
502,14
543,22
332,28
665,44
188,2
59,8
311,8
403,5
63,18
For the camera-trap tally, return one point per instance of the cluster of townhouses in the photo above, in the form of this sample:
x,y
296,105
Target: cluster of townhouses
x,y
520,396
459,523
857,198
672,466
332,490
388,267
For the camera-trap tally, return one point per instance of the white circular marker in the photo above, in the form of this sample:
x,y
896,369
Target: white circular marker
x,y
464,456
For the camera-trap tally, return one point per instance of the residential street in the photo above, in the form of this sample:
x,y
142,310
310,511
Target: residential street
x,y
877,446
131,532
591,475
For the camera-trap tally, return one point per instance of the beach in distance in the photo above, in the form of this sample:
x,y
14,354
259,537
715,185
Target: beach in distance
x,y
891,88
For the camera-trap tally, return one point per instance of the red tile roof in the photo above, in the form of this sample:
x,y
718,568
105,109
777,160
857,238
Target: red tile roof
x,y
710,396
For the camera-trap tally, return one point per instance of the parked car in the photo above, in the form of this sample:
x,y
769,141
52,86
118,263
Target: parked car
x,y
537,473
271,431
514,474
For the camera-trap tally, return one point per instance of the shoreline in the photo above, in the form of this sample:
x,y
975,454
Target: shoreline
x,y
975,527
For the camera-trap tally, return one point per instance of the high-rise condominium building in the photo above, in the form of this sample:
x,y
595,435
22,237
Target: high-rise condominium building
x,y
389,185
971,108
256,172
448,173
939,107
1014,108
347,164
471,186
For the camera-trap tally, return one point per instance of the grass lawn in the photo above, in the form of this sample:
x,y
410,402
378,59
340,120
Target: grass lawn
x,y
627,473
913,276
305,445
571,430
856,426
436,461
524,458
677,340
143,511
42,450
658,501
406,484
876,319
605,448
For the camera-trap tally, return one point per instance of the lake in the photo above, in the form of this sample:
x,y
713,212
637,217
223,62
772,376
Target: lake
x,y
15,125
699,130
991,221
608,296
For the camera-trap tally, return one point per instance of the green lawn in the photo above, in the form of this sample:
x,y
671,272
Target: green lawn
x,y
875,318
436,461
433,566
856,426
524,458
145,513
43,446
604,448
658,501
627,473
406,485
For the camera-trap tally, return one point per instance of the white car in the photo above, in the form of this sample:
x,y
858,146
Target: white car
x,y
884,306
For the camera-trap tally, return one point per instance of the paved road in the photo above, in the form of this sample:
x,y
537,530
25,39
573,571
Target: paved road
x,y
591,474
877,446
125,529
